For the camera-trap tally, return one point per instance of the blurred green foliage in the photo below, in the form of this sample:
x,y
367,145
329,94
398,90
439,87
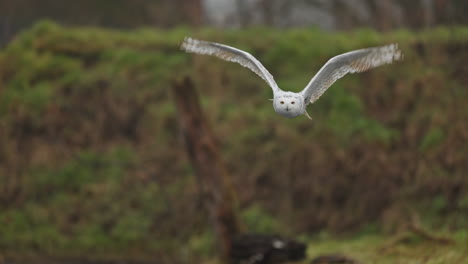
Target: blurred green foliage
x,y
259,221
91,158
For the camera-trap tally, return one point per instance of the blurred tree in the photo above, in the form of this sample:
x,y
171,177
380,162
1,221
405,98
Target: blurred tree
x,y
18,14
329,15
203,151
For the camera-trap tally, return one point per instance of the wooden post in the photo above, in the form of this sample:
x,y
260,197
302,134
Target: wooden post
x,y
203,151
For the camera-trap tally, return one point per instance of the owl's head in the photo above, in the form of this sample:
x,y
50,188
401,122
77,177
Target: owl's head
x,y
289,104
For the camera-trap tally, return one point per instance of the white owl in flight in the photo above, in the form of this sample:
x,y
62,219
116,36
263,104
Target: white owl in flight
x,y
291,104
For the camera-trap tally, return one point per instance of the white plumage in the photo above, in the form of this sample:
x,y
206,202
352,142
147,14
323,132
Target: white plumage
x,y
290,104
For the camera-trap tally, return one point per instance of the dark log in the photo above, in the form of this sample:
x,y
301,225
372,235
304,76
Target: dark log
x,y
203,151
266,249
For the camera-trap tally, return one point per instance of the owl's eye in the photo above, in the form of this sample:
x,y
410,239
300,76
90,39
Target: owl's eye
x,y
282,102
293,102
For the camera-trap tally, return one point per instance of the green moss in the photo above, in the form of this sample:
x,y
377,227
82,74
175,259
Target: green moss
x,y
405,248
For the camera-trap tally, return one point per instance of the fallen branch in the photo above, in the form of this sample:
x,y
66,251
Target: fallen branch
x,y
416,229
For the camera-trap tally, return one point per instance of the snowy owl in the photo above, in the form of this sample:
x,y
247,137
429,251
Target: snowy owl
x,y
291,104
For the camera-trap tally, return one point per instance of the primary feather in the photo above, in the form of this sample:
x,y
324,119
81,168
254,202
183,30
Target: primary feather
x,y
350,62
229,54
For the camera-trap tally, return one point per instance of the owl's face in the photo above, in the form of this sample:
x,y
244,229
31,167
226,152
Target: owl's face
x,y
289,105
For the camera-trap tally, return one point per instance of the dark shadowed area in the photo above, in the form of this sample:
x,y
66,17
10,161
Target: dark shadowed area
x,y
97,164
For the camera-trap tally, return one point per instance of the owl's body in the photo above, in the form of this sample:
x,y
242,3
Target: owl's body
x,y
291,104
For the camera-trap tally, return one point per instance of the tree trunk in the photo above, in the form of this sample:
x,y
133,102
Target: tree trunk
x,y
193,11
203,151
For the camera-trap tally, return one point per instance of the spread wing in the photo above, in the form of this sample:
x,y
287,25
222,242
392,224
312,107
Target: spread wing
x,y
350,62
230,54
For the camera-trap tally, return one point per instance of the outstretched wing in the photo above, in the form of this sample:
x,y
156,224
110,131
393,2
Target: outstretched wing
x,y
230,54
350,62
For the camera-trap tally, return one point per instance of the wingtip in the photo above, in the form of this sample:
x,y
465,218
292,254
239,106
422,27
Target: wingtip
x,y
189,43
185,43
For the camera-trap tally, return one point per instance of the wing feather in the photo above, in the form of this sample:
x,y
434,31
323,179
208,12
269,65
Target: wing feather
x,y
229,54
350,62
